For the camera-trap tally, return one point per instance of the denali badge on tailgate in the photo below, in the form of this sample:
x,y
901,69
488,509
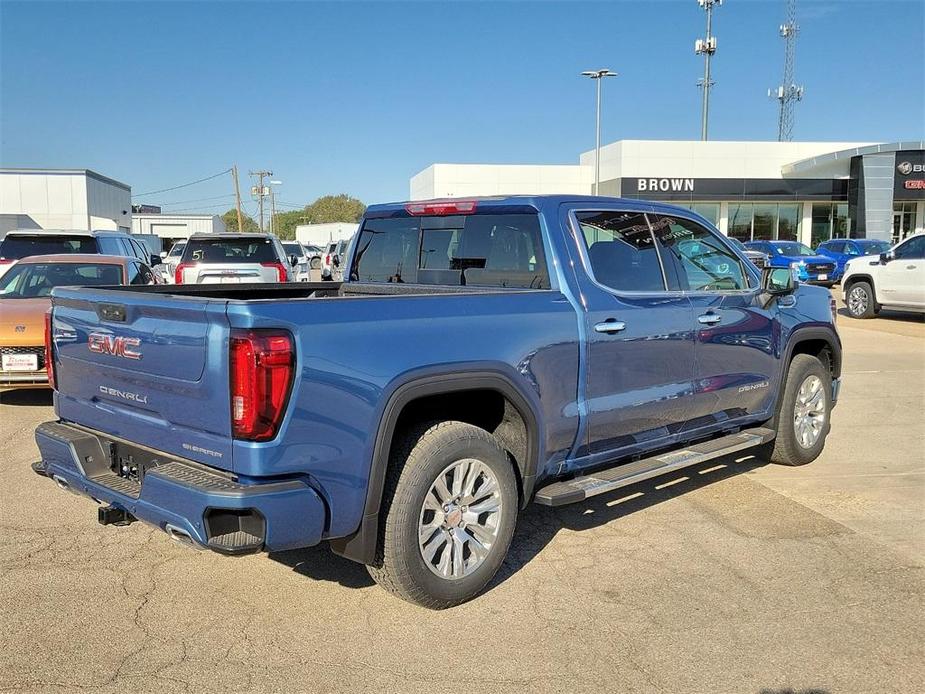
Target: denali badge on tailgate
x,y
118,346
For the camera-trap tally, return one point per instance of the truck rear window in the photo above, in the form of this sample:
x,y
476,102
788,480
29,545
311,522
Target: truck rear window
x,y
486,250
244,250
17,246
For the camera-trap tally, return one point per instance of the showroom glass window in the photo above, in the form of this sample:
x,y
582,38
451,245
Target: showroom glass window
x,y
788,221
621,251
903,220
707,210
740,220
694,258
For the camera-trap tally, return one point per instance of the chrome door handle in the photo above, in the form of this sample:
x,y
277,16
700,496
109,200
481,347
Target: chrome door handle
x,y
710,318
610,326
911,267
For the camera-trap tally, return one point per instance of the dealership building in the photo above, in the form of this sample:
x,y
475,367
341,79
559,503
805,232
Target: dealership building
x,y
63,199
806,191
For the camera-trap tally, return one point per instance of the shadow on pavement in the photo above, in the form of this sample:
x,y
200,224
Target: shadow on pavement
x,y
538,525
27,397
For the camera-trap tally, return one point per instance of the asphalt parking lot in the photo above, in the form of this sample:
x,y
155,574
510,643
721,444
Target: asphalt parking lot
x,y
734,577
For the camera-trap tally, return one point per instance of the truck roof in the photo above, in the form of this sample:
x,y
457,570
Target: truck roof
x,y
528,201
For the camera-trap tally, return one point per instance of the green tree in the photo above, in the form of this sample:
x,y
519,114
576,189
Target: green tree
x,y
230,218
284,223
335,208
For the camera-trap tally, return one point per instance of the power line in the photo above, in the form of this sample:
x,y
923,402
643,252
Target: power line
x,y
183,202
185,185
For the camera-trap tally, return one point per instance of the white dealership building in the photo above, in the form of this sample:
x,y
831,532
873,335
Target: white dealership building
x,y
63,199
810,191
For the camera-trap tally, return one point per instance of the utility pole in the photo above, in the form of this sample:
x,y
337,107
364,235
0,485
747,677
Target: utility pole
x,y
706,47
598,76
237,196
787,93
261,191
272,211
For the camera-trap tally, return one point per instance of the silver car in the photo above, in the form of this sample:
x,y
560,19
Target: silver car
x,y
298,259
233,258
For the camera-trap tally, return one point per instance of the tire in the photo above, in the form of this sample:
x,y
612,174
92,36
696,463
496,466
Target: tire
x,y
860,300
790,445
422,456
315,263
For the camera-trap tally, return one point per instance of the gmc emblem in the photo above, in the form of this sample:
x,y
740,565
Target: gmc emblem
x,y
102,343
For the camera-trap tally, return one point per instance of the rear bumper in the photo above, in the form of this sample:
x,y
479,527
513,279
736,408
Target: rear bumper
x,y
25,379
185,499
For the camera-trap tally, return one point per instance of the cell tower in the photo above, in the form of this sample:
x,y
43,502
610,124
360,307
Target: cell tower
x,y
787,93
706,47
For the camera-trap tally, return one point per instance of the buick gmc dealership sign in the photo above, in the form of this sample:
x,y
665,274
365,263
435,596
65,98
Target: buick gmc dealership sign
x,y
909,180
665,185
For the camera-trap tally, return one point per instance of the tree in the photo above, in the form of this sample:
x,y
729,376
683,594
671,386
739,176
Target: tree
x,y
230,218
335,208
284,223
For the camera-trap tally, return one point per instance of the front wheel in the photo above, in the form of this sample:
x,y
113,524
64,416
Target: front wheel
x,y
450,507
803,420
860,301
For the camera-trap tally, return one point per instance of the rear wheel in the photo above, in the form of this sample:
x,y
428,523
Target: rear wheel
x,y
803,421
315,263
860,301
450,507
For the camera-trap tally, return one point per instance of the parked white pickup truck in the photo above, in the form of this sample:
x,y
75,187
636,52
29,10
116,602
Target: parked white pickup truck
x,y
895,280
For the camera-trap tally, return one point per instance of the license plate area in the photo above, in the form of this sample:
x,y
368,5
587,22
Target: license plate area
x,y
20,362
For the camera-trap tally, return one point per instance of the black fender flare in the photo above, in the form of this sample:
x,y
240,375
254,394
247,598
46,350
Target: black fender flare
x,y
828,335
861,278
361,545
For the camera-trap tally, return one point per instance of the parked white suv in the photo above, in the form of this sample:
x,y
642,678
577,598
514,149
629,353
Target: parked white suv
x,y
895,280
232,258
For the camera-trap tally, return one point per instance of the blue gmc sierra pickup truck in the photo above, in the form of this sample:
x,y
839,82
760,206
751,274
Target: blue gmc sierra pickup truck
x,y
479,355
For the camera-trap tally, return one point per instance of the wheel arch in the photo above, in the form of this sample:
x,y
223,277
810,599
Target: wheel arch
x,y
425,386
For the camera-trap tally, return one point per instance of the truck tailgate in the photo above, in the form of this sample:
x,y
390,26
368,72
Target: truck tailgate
x,y
148,368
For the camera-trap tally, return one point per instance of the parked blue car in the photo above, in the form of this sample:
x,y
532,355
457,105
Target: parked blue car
x,y
478,356
843,250
810,267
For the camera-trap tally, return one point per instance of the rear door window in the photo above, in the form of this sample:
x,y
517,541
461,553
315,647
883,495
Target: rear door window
x,y
17,246
228,250
621,251
481,250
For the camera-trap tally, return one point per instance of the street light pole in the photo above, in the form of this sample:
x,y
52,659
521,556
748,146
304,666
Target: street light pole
x,y
598,75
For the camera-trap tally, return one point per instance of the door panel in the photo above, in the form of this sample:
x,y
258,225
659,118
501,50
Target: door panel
x,y
639,379
734,362
640,336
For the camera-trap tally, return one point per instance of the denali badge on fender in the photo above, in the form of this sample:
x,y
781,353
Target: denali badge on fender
x,y
118,346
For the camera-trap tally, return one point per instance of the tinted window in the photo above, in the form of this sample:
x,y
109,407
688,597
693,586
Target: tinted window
x,y
791,249
16,246
141,251
293,249
913,248
29,280
477,250
835,246
621,251
177,249
695,259
226,250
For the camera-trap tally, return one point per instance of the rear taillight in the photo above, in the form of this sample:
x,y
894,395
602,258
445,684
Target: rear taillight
x,y
178,273
281,272
49,352
262,368
441,207
327,259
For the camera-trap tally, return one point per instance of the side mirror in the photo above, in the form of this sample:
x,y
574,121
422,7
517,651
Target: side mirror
x,y
163,254
778,281
293,260
886,257
156,260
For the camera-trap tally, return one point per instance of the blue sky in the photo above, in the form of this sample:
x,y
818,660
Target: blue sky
x,y
357,97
